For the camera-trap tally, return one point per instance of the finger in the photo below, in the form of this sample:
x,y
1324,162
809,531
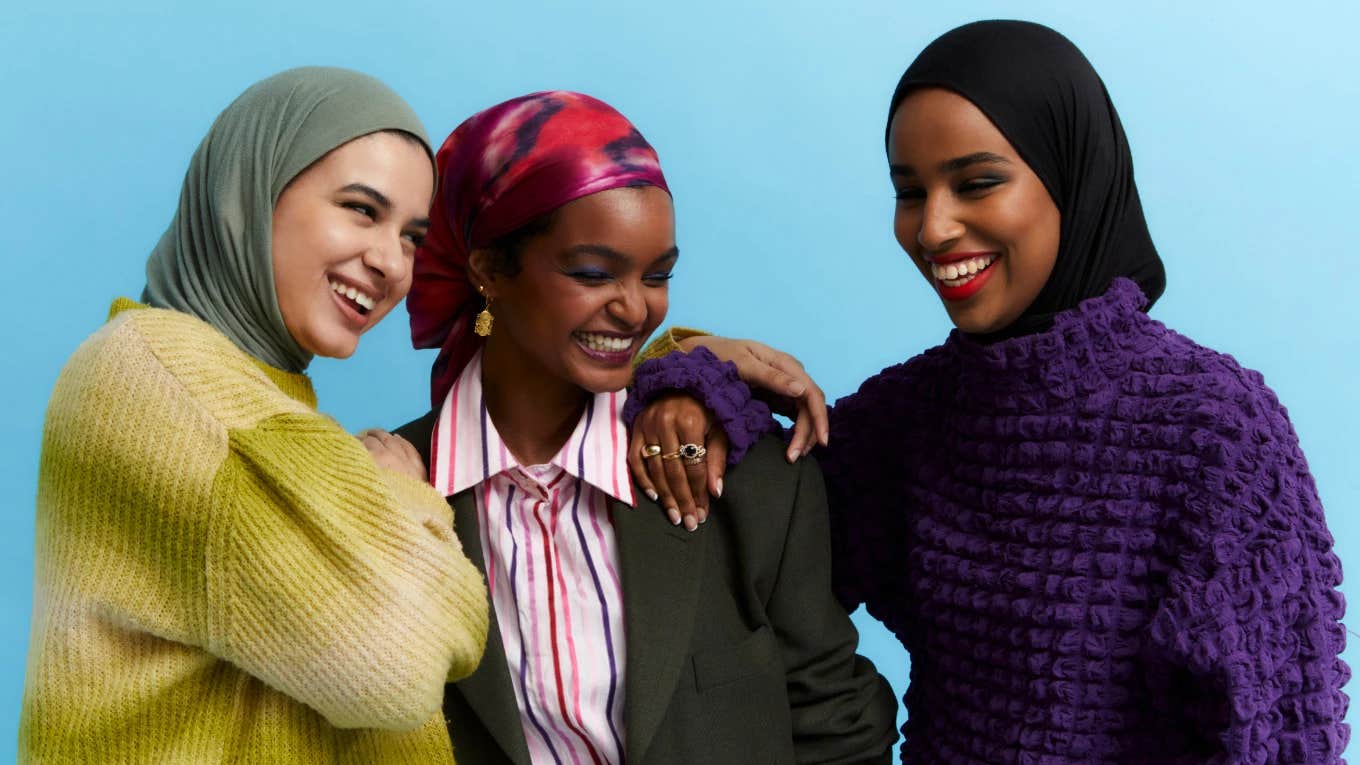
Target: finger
x,y
408,450
759,373
677,483
656,470
636,466
690,429
798,439
798,380
716,462
813,397
821,422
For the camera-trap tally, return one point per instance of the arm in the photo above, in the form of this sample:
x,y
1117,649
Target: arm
x,y
702,397
335,581
843,711
1252,614
773,376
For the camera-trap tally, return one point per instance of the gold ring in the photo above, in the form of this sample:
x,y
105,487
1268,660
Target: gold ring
x,y
692,454
651,450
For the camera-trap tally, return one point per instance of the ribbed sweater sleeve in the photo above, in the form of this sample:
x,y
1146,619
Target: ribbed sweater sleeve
x,y
1252,612
337,582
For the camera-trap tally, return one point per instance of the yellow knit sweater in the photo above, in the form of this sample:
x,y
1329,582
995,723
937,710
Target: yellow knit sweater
x,y
225,575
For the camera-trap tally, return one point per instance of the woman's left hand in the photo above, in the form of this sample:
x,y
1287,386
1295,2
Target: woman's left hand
x,y
682,486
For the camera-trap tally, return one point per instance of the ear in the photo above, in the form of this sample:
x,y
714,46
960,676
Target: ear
x,y
482,270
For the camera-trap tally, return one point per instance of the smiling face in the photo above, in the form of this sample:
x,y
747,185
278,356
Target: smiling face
x,y
345,232
587,291
975,219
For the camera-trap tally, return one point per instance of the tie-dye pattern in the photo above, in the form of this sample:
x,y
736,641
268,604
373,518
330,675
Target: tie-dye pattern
x,y
500,169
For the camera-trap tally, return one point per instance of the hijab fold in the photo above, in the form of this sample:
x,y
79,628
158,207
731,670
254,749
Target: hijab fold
x,y
215,261
501,169
1047,100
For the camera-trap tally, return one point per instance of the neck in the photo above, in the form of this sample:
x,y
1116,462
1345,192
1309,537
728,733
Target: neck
x,y
535,412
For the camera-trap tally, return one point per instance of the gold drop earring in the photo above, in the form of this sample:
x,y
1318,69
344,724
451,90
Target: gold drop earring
x,y
484,319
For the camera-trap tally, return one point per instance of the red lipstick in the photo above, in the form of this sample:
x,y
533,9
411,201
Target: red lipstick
x,y
968,288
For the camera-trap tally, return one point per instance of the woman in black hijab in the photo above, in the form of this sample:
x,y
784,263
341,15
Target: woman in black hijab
x,y
1044,96
1098,540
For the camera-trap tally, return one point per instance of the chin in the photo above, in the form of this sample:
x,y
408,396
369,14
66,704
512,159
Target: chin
x,y
335,350
604,382
976,323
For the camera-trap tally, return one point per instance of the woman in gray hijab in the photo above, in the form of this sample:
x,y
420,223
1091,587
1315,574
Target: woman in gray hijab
x,y
222,573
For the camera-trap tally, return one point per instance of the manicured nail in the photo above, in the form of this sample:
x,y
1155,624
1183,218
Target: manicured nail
x,y
717,488
691,524
703,515
651,495
674,515
797,389
794,454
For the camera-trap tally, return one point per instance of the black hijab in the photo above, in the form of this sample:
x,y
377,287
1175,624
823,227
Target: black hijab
x,y
1047,100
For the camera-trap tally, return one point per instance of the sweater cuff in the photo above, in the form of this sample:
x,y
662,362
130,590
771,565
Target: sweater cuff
x,y
667,342
714,384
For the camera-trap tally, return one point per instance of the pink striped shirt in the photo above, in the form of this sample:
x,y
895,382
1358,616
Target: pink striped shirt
x,y
551,566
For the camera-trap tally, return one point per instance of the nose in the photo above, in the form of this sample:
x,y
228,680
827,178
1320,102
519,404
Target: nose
x,y
940,226
629,307
386,256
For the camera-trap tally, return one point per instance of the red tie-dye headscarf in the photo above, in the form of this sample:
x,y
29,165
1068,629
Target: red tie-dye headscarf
x,y
499,170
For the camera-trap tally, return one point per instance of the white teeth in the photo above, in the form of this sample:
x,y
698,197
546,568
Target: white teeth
x,y
962,272
354,294
604,343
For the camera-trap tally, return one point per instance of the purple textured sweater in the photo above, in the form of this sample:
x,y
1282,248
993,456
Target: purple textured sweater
x,y
1099,544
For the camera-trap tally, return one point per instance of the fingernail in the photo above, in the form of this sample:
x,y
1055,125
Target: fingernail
x,y
651,495
674,515
794,454
691,524
703,515
797,389
717,488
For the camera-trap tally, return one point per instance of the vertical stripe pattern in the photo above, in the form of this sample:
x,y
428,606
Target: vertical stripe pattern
x,y
552,567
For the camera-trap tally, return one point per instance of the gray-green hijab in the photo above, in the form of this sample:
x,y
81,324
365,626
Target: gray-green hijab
x,y
214,262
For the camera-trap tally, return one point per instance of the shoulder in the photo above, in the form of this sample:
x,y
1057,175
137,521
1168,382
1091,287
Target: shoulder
x,y
1244,462
191,359
1222,403
763,493
902,388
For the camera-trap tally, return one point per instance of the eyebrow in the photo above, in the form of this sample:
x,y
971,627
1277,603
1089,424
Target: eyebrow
x,y
609,253
382,201
956,164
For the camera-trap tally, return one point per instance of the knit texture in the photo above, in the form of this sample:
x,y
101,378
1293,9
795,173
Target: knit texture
x,y
225,575
713,383
1100,544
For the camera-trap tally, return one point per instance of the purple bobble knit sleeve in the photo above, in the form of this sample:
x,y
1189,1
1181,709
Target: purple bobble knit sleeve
x,y
714,384
1252,614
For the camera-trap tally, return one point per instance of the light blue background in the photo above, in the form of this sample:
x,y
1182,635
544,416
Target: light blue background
x,y
769,120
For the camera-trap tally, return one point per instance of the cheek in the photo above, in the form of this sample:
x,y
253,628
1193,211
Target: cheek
x,y
1034,233
658,304
402,287
906,224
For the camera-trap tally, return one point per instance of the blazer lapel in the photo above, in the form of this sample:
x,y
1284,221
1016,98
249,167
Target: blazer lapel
x,y
661,566
488,690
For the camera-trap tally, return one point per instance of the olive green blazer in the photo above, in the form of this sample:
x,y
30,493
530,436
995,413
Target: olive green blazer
x,y
737,651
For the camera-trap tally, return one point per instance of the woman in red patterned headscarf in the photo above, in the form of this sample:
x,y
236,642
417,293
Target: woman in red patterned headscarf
x,y
506,168
552,217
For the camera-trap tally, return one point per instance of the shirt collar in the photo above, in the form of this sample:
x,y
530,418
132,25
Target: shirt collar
x,y
466,449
